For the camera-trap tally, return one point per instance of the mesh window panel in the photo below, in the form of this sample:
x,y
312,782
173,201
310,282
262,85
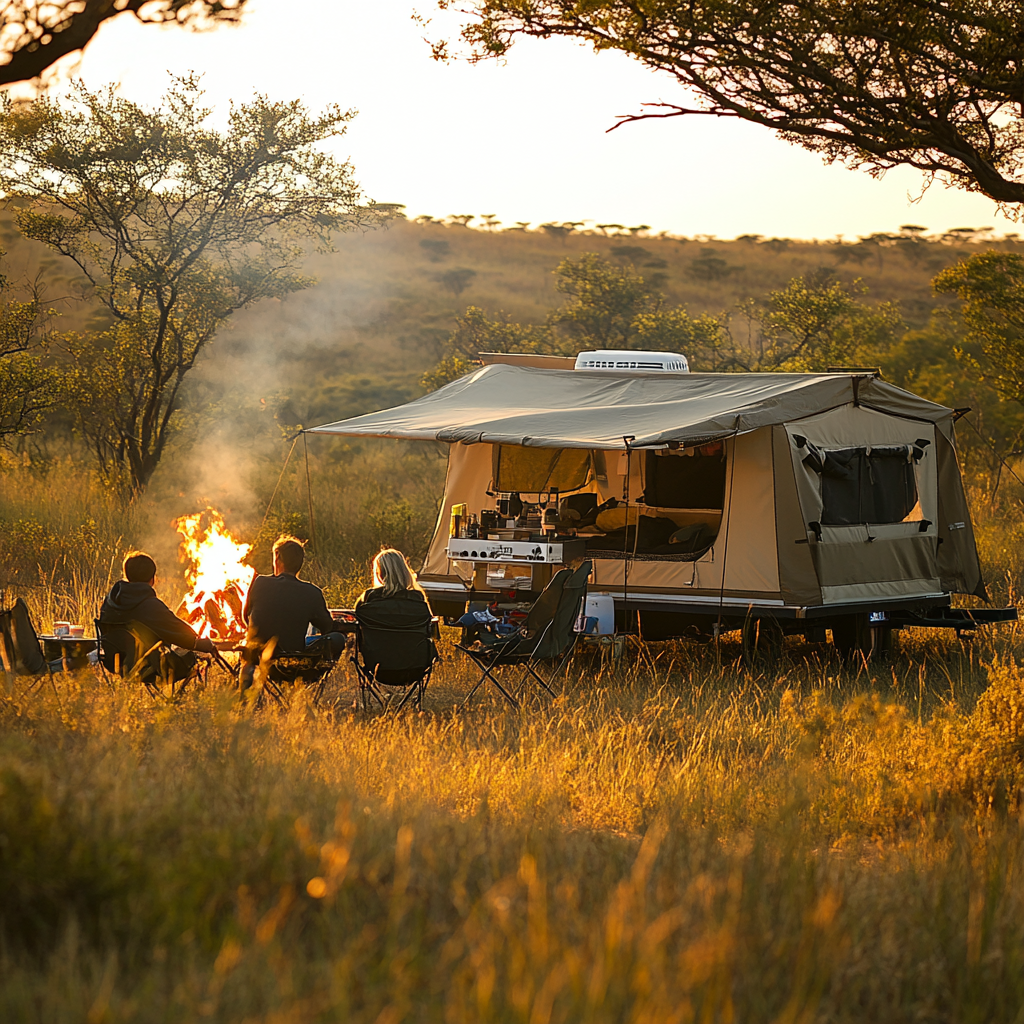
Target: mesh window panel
x,y
841,487
892,485
684,481
870,489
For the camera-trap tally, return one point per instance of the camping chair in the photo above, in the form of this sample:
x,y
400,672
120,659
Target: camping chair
x,y
20,651
547,633
309,667
394,651
132,650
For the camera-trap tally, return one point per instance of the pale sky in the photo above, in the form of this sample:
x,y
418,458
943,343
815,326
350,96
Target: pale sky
x,y
524,140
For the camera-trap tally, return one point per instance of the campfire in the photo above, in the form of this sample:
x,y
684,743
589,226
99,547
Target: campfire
x,y
217,576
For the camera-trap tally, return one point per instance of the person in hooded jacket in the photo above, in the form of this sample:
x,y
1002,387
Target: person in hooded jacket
x,y
133,600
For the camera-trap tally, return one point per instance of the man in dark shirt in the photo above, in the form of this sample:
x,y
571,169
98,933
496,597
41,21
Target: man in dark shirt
x,y
282,606
133,600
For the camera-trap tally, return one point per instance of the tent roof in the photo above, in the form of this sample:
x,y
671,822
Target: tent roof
x,y
502,404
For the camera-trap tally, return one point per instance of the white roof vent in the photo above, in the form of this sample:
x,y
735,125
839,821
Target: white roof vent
x,y
617,360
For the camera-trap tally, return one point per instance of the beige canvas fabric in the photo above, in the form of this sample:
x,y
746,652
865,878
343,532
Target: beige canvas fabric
x,y
959,569
588,409
745,546
798,579
468,478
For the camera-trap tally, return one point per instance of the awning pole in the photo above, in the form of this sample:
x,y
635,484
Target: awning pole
x,y
309,498
725,546
625,534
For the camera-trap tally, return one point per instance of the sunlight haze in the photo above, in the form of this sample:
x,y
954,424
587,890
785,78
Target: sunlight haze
x,y
525,140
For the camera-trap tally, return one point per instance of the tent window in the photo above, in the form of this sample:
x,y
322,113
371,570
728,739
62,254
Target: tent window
x,y
866,485
691,479
537,470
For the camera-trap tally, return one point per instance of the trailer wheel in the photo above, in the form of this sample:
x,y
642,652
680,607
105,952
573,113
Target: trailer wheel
x,y
851,636
762,640
882,643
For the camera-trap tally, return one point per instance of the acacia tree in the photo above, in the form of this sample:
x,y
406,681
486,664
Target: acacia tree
x,y
607,306
28,385
175,225
34,34
990,286
933,84
817,322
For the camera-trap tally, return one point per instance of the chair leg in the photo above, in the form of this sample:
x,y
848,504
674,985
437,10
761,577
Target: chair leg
x,y
565,657
488,675
371,693
531,671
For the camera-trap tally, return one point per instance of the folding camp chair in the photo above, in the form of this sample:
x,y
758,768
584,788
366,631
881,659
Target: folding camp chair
x,y
394,651
133,651
547,633
20,651
308,667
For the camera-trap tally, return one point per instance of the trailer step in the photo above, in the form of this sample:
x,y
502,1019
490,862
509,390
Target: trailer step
x,y
953,618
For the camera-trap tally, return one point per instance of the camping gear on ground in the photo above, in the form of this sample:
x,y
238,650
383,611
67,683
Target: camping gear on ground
x,y
394,651
19,643
546,633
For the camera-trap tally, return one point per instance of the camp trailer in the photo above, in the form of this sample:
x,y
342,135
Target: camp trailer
x,y
772,503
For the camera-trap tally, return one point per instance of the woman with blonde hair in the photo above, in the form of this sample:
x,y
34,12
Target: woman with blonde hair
x,y
392,578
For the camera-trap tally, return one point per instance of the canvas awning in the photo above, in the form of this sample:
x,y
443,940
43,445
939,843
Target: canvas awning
x,y
502,404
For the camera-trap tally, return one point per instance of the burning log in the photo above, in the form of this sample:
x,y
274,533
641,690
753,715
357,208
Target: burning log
x,y
230,596
215,617
190,615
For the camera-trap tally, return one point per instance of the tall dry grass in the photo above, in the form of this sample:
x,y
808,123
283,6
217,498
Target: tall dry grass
x,y
671,839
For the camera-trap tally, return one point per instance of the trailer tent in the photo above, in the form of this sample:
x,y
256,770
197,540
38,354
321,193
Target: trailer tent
x,y
794,495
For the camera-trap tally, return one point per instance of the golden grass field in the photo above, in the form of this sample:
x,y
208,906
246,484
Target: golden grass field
x,y
671,839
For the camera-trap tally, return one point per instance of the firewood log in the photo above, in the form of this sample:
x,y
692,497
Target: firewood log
x,y
234,600
215,616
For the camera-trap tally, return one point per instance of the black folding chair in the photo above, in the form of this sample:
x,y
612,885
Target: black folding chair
x,y
394,651
20,652
547,633
132,650
308,667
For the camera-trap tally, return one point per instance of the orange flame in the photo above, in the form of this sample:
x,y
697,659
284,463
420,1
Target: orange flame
x,y
216,574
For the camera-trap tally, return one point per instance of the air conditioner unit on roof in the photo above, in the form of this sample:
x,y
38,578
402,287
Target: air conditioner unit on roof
x,y
619,360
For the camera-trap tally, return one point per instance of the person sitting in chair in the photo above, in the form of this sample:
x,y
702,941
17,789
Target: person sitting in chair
x,y
393,580
282,607
393,606
133,601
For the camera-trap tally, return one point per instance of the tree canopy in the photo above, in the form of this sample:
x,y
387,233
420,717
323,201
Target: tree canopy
x,y
933,84
35,34
990,286
173,224
29,384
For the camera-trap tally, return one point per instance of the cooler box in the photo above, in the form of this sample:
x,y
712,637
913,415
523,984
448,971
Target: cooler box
x,y
598,616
